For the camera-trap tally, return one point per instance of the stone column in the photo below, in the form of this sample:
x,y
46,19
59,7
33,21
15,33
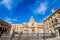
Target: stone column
x,y
36,30
11,31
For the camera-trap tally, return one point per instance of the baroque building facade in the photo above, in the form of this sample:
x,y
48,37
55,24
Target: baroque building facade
x,y
29,27
4,27
50,25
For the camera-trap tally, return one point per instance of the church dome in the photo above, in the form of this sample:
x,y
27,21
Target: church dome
x,y
31,19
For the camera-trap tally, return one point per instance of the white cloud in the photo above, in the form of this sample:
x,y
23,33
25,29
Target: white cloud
x,y
14,19
10,20
7,3
41,8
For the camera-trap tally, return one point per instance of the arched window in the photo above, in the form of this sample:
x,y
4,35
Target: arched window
x,y
55,20
52,21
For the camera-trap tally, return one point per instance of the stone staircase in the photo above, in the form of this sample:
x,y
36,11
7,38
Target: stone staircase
x,y
22,37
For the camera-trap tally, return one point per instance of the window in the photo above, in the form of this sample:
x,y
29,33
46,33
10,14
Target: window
x,y
55,20
54,15
0,24
49,23
59,12
46,25
59,16
52,21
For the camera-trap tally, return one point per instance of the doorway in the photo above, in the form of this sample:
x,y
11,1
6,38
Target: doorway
x,y
59,31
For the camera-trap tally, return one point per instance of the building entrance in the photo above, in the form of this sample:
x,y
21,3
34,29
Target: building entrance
x,y
59,31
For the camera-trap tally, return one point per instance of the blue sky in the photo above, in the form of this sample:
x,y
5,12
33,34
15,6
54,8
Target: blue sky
x,y
19,11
